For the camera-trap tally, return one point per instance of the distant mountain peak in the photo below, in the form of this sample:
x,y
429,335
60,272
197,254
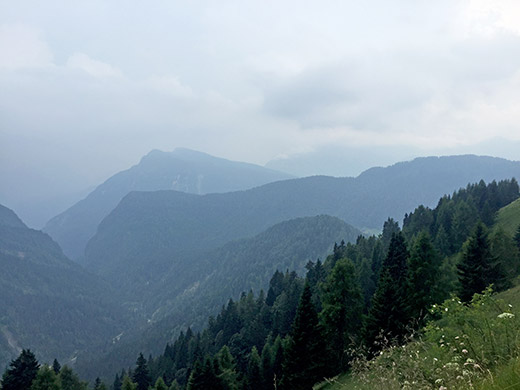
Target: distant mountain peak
x,y
182,169
9,218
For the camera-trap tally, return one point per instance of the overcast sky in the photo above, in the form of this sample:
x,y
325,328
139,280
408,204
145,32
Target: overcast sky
x,y
88,87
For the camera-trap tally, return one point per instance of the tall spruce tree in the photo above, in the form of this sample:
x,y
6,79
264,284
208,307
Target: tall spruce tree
x,y
478,268
423,277
388,315
21,372
254,370
304,363
56,366
141,375
342,308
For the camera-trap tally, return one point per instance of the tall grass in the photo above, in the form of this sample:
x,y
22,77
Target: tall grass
x,y
474,346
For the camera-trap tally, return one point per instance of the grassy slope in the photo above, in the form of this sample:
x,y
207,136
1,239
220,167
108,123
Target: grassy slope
x,y
509,217
505,376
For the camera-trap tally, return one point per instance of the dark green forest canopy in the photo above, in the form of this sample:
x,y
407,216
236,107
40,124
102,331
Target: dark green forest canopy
x,y
255,341
407,264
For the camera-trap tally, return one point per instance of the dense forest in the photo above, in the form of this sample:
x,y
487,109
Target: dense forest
x,y
364,296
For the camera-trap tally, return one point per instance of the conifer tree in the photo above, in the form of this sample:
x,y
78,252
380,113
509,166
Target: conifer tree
x,y
342,308
478,267
278,358
228,374
21,372
390,228
267,365
388,316
46,379
160,385
99,385
304,356
128,384
203,376
117,383
141,375
254,377
423,277
69,380
56,366
442,241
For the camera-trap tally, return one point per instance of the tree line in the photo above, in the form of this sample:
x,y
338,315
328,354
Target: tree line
x,y
362,296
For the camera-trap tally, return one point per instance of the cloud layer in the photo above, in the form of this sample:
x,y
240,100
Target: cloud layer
x,y
87,88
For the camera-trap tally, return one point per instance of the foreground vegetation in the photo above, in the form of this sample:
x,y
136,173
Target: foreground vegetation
x,y
474,346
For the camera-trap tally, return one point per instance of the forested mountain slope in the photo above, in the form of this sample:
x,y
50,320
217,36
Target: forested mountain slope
x,y
304,330
182,170
48,303
176,303
151,232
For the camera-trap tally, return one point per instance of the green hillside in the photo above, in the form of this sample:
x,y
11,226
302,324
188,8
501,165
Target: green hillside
x,y
48,303
220,274
474,346
508,218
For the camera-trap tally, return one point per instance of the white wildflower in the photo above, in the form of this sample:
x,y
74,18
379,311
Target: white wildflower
x,y
506,315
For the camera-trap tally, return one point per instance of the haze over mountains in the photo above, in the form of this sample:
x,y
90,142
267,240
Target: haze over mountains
x,y
182,170
158,261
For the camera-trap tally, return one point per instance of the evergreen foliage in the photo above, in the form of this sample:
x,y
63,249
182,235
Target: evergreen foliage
x,y
504,249
174,386
99,385
388,316
254,375
46,379
117,383
478,267
227,369
56,366
160,385
21,372
304,362
69,380
342,310
423,287
128,384
141,375
204,377
304,328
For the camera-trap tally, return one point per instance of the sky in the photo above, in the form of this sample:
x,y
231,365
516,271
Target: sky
x,y
330,87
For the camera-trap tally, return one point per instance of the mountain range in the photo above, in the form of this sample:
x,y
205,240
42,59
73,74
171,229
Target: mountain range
x,y
182,170
153,262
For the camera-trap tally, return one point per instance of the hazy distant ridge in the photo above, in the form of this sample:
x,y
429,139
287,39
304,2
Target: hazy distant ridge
x,y
182,170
